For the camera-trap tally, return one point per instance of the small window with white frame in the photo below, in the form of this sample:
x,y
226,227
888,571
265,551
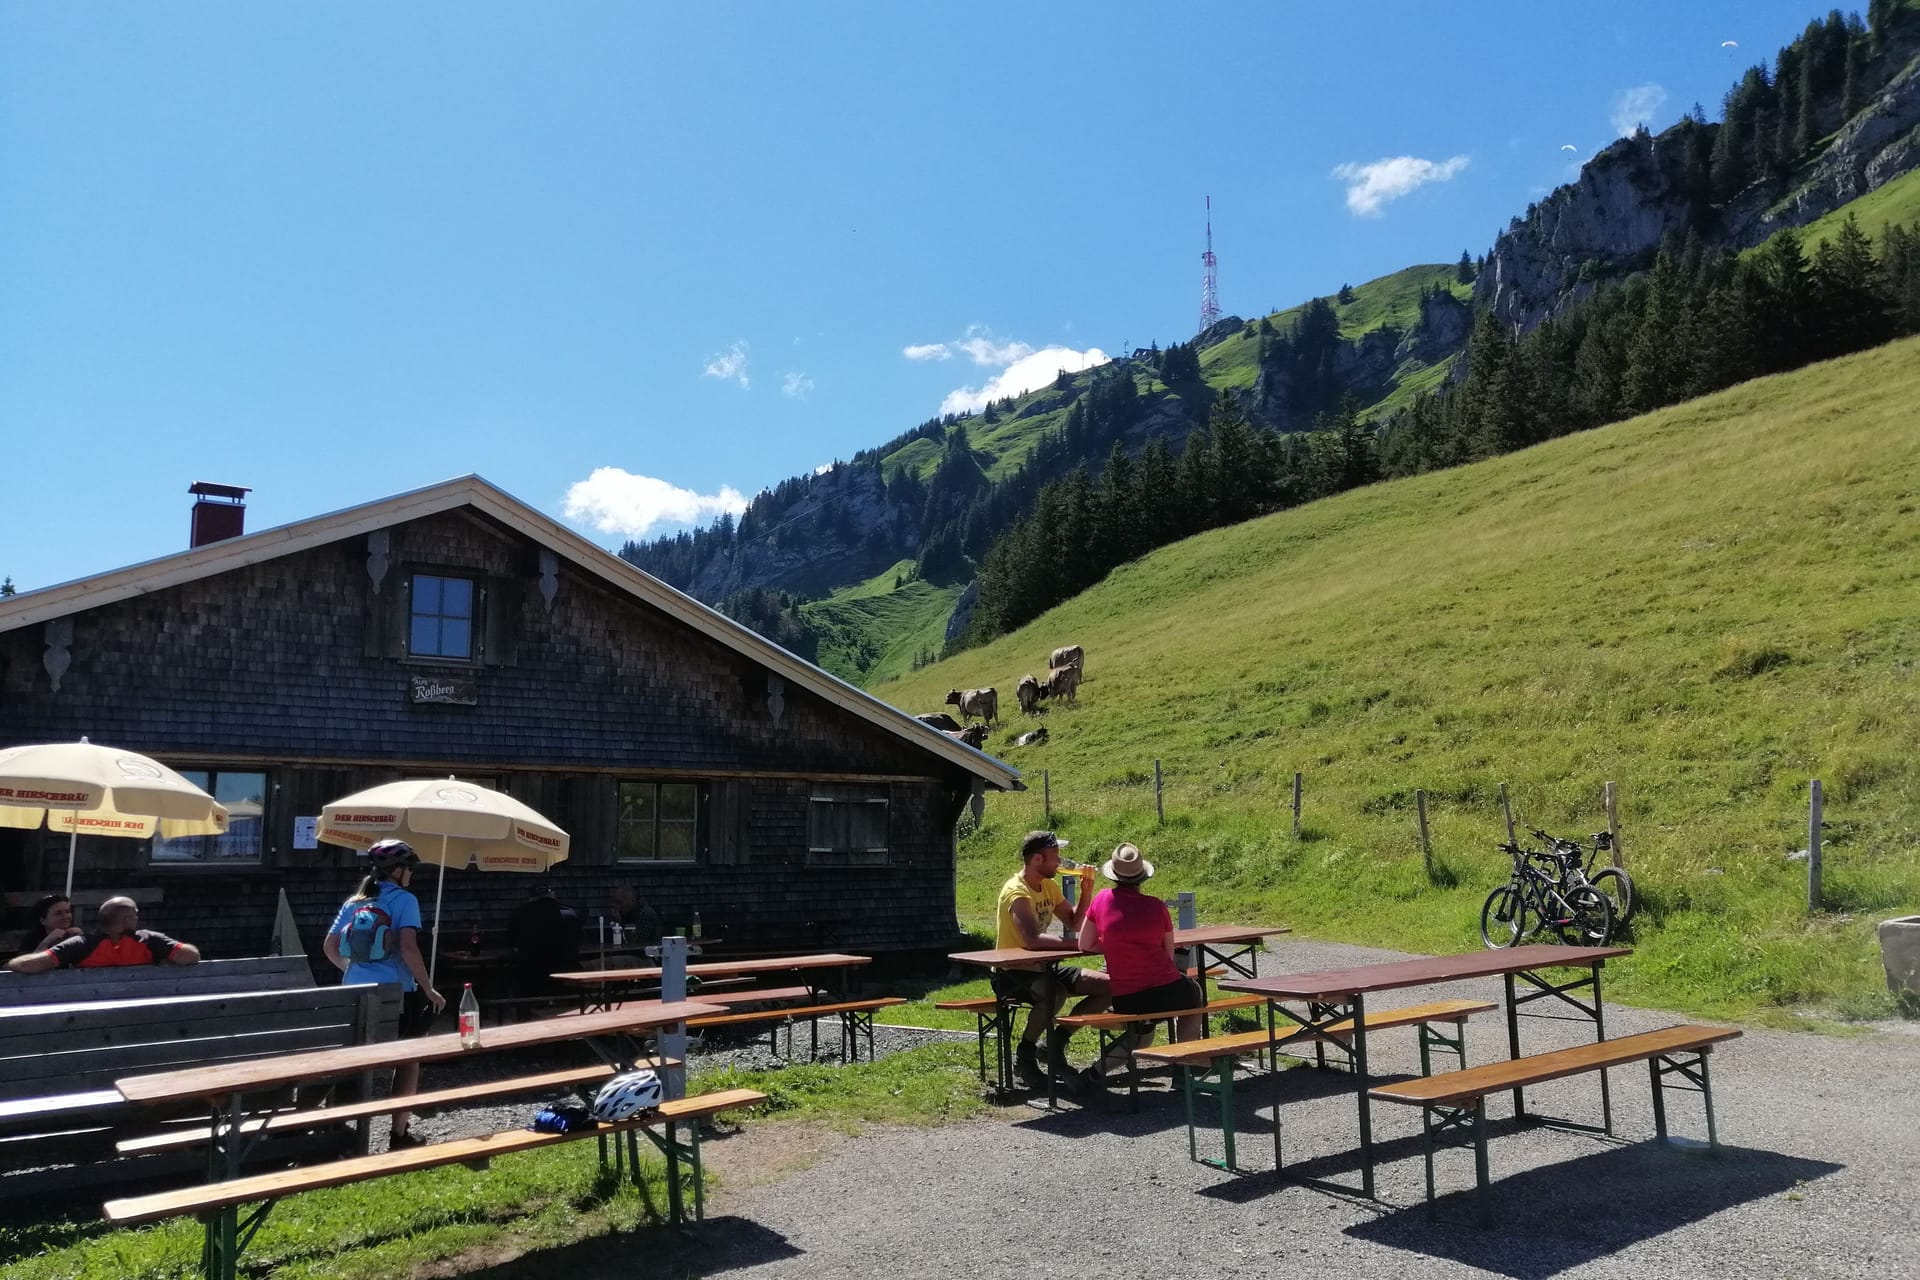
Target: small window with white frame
x,y
245,796
848,823
657,822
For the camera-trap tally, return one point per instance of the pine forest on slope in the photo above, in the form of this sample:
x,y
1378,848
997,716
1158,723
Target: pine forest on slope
x,y
1709,605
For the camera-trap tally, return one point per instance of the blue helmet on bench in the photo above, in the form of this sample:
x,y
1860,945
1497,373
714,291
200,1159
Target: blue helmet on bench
x,y
626,1096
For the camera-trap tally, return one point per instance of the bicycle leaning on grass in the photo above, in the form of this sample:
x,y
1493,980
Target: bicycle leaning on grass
x,y
1546,892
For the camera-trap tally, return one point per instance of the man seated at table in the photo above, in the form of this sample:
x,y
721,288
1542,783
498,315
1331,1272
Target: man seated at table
x,y
640,922
1030,901
545,936
118,941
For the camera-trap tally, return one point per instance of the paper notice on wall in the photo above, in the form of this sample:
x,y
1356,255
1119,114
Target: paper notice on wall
x,y
306,832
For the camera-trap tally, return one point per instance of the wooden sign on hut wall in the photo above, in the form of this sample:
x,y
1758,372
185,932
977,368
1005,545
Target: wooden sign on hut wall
x,y
441,691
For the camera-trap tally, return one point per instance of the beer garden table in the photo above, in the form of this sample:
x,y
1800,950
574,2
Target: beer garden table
x,y
1230,946
605,988
1336,995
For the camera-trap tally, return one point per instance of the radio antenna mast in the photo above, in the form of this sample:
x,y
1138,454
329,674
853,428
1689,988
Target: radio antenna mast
x,y
1210,279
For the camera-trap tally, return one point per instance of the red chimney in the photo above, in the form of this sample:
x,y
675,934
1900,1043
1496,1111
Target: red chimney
x,y
219,513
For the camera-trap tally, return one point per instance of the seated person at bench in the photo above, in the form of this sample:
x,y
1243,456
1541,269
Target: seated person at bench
x,y
1031,900
376,938
545,936
1135,933
54,914
638,921
120,941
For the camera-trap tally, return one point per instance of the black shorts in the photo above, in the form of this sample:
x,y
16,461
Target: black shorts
x,y
1181,993
1029,985
416,1014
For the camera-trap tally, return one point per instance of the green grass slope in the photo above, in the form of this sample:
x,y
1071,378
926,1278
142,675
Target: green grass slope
x,y
873,630
1896,202
1709,605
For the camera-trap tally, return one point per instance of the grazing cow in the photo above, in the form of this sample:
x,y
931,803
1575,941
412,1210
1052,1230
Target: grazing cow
x,y
939,720
1028,691
984,703
1069,655
1032,738
974,735
1062,682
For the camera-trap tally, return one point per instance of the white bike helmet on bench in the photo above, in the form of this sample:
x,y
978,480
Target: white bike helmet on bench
x,y
626,1096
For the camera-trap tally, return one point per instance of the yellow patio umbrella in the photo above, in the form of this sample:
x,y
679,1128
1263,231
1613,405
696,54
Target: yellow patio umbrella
x,y
450,823
83,788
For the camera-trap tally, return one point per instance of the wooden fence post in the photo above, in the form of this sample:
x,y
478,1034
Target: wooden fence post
x,y
1507,810
1815,802
1426,844
1159,804
1046,799
1612,798
1296,806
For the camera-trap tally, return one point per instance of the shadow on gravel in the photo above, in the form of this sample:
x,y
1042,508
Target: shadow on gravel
x,y
721,1245
1563,1215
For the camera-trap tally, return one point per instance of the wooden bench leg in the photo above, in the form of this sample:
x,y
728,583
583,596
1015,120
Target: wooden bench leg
x,y
227,1237
1695,1071
683,1161
1437,1121
1431,1038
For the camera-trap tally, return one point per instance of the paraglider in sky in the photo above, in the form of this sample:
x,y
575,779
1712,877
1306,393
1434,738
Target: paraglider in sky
x,y
1568,146
1729,44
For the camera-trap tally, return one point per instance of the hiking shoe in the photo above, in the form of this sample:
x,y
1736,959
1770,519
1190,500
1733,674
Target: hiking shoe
x,y
1026,1065
404,1140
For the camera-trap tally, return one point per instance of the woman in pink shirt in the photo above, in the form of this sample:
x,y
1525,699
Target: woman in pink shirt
x,y
1135,933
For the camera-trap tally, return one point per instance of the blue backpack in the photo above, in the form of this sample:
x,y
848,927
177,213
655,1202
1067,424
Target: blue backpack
x,y
368,936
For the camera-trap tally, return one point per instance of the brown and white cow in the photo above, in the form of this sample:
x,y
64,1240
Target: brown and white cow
x,y
1061,682
1028,691
984,703
974,735
1069,655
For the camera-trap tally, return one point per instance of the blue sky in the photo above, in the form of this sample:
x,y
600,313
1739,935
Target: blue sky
x,y
630,261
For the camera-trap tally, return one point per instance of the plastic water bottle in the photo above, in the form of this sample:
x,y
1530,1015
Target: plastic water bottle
x,y
469,1019
696,925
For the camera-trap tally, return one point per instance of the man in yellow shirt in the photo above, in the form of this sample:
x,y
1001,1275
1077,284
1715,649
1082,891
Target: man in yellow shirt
x,y
1030,901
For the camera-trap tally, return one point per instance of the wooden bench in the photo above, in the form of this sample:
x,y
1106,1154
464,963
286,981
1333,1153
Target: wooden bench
x,y
986,1012
227,1236
344,1113
59,1114
1123,1030
855,1016
152,982
1456,1101
1207,1066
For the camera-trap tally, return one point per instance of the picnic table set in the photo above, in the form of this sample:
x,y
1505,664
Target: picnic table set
x,y
1330,1010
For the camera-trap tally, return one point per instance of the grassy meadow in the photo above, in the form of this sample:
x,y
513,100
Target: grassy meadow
x,y
1709,606
873,629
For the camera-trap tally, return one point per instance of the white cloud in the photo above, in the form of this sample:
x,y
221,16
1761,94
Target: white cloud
x,y
796,386
1369,186
1027,372
729,366
927,351
1637,106
616,501
985,349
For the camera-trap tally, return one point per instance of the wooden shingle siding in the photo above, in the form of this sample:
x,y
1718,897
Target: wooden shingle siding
x,y
294,665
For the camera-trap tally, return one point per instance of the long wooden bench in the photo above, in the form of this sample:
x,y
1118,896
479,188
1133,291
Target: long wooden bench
x,y
248,976
1456,1101
1123,1031
1207,1066
855,1017
59,1114
344,1113
227,1235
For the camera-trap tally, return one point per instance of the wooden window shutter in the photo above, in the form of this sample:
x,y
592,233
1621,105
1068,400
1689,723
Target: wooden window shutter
x,y
727,813
591,806
500,622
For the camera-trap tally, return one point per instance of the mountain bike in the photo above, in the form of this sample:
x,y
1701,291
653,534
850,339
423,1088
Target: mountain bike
x,y
1612,881
1539,897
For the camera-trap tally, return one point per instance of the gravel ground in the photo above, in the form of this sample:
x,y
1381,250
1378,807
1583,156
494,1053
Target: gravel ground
x,y
1822,1154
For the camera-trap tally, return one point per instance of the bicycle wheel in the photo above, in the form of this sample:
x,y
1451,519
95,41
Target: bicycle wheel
x,y
1618,886
1592,920
1503,917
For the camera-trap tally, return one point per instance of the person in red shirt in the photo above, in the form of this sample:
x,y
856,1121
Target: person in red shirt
x,y
120,941
1134,931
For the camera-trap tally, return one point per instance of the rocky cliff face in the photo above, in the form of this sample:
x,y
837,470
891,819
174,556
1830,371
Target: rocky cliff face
x,y
842,530
1633,194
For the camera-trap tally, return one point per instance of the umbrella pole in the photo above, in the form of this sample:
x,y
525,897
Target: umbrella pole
x,y
73,843
439,890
